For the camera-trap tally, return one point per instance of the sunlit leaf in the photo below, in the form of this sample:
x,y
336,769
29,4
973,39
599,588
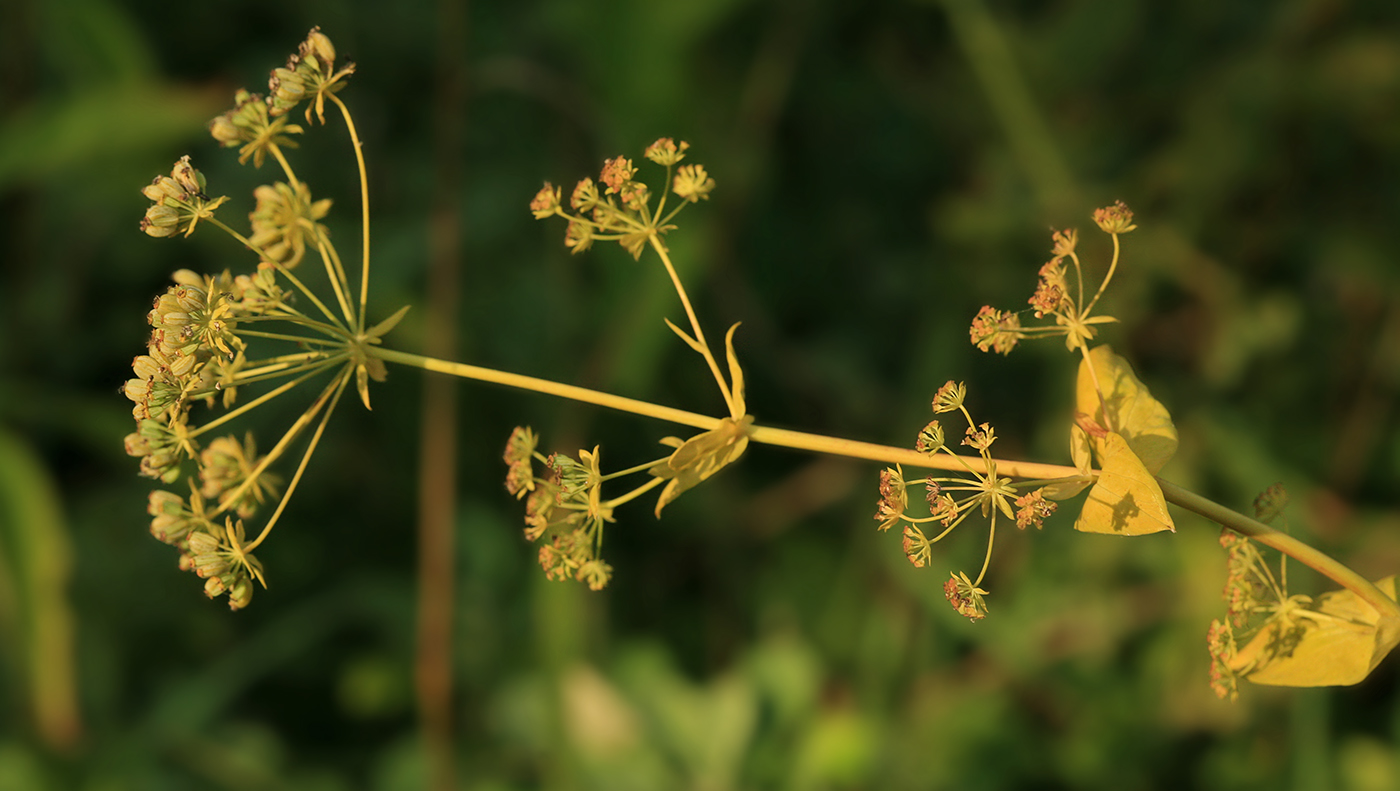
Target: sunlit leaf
x,y
700,457
1081,451
1336,642
383,327
689,341
1131,409
736,374
1126,500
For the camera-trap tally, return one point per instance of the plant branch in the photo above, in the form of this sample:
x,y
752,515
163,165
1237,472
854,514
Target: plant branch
x,y
1288,545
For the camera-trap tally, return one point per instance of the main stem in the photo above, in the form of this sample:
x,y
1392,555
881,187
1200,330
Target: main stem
x,y
908,457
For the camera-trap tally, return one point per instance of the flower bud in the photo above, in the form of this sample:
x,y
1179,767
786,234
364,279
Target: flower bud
x,y
240,594
163,187
1114,219
214,587
187,177
318,45
163,502
285,88
225,131
136,445
160,221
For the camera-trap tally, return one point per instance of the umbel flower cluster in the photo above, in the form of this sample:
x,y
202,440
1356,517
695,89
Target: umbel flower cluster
x,y
213,336
951,500
622,212
564,506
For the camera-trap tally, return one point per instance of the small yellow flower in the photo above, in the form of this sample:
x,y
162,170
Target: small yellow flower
x,y
995,330
666,151
1064,241
585,195
949,397
578,236
894,498
1114,219
520,449
546,201
930,438
285,221
692,183
917,547
616,173
965,597
1033,508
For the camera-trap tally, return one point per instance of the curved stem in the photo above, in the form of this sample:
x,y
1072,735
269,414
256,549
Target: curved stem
x,y
1112,265
364,206
694,324
334,274
987,561
635,493
1288,545
344,379
228,498
262,399
286,167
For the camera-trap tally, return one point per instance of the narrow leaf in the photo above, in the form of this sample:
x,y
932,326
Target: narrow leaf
x,y
1126,500
700,457
362,383
1081,452
736,375
382,328
689,341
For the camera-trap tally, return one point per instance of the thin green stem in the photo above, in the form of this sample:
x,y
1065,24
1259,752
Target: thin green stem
x,y
1112,265
364,206
232,496
278,336
257,366
908,457
271,372
287,273
987,561
630,470
1078,277
299,319
344,379
334,274
286,166
241,239
260,400
694,324
635,493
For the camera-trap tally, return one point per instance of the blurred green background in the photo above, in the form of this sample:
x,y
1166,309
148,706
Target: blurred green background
x,y
885,168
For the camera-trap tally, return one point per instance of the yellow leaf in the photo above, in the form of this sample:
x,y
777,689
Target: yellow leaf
x,y
1131,409
1126,500
736,375
1337,642
700,457
1079,451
